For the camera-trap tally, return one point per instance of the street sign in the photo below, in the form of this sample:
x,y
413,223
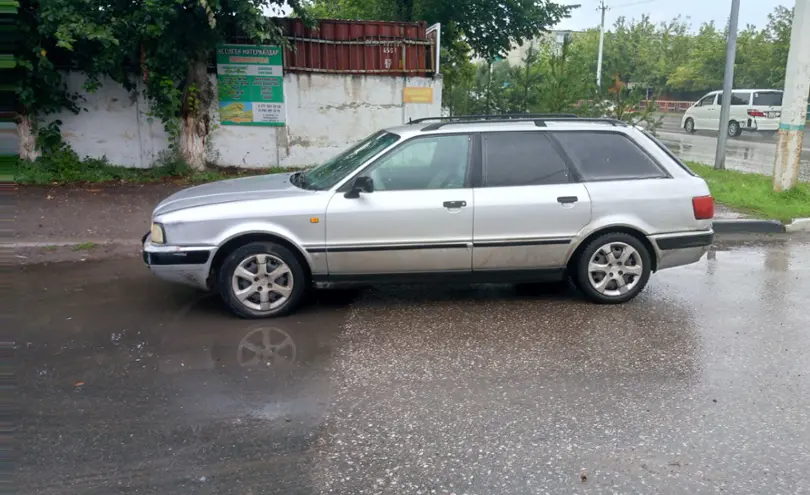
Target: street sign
x,y
250,81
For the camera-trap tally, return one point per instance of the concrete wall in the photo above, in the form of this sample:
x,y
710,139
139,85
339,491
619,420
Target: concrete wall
x,y
325,114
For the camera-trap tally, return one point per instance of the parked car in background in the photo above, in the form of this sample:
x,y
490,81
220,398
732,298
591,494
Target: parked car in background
x,y
756,110
512,199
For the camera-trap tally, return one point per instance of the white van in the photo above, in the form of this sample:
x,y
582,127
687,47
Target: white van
x,y
751,110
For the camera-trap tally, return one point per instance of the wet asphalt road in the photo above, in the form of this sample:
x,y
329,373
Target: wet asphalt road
x,y
701,385
749,152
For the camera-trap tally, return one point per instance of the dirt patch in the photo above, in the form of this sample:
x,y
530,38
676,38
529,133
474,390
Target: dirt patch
x,y
86,214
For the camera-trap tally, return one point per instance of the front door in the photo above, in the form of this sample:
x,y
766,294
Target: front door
x,y
528,209
707,114
419,217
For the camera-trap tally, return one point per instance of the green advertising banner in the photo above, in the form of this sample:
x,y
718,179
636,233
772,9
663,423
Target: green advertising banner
x,y
250,79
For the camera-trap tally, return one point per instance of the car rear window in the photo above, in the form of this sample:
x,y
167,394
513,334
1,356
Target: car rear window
x,y
521,159
768,99
607,156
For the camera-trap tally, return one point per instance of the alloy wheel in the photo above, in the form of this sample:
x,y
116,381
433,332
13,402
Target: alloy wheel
x,y
262,282
615,269
733,129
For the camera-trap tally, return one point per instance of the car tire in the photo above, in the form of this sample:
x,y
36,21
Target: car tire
x,y
689,125
734,129
247,284
627,268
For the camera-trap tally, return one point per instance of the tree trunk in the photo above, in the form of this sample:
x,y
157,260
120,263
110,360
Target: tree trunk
x,y
28,138
194,117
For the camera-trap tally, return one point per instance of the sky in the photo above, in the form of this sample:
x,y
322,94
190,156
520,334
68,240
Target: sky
x,y
699,11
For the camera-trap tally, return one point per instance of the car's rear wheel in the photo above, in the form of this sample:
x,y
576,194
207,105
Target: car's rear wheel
x,y
613,268
734,128
689,125
262,280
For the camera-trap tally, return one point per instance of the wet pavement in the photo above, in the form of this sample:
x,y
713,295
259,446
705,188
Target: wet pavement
x,y
700,385
749,152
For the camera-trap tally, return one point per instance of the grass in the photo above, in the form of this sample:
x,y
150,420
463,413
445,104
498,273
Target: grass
x,y
84,246
63,167
754,194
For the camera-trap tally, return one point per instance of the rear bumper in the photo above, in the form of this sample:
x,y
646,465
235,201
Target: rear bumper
x,y
762,125
682,248
188,265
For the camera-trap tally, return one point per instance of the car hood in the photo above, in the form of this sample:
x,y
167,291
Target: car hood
x,y
228,191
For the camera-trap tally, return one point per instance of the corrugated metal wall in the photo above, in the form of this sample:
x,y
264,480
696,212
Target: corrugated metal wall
x,y
358,47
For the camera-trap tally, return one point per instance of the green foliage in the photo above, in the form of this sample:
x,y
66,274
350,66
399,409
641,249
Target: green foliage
x,y
64,166
754,193
171,41
646,59
40,89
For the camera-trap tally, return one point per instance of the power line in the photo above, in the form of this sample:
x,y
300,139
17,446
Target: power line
x,y
633,3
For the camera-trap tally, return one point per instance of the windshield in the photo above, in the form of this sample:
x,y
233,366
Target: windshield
x,y
330,173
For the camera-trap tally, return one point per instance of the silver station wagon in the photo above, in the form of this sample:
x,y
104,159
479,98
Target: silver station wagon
x,y
503,199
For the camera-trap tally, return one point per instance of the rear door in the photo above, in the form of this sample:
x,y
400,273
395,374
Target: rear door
x,y
626,185
740,101
528,205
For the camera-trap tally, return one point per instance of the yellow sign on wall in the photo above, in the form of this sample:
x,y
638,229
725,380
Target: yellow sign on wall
x,y
417,95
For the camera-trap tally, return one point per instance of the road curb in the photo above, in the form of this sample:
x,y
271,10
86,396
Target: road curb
x,y
68,243
747,226
798,225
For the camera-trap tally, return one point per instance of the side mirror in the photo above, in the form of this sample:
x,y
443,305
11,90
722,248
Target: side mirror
x,y
361,184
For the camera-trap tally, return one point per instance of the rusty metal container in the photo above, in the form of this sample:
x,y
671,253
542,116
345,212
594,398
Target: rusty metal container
x,y
358,47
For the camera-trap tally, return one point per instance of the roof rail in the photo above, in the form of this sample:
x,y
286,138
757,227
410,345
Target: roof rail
x,y
539,121
504,116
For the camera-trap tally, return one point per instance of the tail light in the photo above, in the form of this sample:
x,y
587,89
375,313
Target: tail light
x,y
756,113
703,206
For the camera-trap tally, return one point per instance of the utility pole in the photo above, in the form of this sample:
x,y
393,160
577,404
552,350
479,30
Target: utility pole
x,y
728,82
794,101
603,8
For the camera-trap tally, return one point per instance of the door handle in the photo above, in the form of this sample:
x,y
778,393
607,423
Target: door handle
x,y
455,204
567,199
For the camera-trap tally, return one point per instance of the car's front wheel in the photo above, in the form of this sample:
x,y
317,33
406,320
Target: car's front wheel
x,y
689,125
262,280
613,268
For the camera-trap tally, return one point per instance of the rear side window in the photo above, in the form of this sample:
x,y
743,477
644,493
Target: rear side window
x,y
738,98
768,99
521,159
607,156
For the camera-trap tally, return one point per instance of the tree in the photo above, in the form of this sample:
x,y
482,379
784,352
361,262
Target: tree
x,y
566,79
777,32
171,43
40,88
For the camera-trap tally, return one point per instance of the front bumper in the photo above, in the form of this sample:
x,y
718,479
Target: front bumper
x,y
682,248
188,265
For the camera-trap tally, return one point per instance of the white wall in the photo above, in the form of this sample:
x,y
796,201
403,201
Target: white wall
x,y
325,114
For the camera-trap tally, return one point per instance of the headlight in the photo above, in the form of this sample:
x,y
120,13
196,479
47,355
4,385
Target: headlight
x,y
157,234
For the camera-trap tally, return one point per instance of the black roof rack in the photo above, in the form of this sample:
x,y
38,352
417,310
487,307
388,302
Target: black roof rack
x,y
539,119
503,116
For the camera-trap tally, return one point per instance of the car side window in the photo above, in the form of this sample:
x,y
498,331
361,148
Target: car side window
x,y
521,159
599,156
740,98
431,162
706,100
